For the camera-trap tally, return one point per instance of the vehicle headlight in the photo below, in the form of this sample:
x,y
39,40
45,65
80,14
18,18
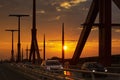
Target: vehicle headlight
x,y
106,70
61,67
93,70
48,68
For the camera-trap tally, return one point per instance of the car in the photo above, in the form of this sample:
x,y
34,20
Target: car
x,y
94,67
51,65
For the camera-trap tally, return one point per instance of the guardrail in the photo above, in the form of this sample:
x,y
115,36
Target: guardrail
x,y
92,75
37,73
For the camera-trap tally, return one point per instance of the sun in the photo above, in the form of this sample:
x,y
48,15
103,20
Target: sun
x,y
65,47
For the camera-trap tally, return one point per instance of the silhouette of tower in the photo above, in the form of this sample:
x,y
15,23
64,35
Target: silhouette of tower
x,y
27,53
103,7
34,46
19,44
63,43
12,51
22,55
44,55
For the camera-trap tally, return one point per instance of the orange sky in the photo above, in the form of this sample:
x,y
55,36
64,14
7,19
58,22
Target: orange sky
x,y
50,16
54,48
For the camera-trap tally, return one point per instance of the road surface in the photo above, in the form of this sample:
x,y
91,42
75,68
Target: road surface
x,y
8,73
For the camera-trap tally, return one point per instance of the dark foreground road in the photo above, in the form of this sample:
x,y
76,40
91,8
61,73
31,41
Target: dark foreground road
x,y
8,73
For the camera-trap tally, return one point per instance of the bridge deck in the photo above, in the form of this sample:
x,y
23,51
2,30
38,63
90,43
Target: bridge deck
x,y
20,72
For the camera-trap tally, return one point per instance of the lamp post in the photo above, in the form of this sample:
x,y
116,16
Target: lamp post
x,y
44,55
19,45
12,51
63,43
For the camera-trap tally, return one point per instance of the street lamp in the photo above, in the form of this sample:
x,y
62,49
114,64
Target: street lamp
x,y
19,45
12,51
63,43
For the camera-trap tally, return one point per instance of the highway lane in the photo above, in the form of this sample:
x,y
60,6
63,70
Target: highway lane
x,y
8,73
17,72
94,76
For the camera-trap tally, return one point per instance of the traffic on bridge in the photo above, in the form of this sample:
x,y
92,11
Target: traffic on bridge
x,y
28,71
103,67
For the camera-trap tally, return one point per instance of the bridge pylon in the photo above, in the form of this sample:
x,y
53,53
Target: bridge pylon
x,y
34,45
103,7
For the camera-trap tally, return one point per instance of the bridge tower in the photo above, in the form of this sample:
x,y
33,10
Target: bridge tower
x,y
104,9
34,45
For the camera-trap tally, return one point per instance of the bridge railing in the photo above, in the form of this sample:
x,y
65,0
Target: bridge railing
x,y
37,73
93,75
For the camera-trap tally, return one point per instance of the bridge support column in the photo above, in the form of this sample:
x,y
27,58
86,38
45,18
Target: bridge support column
x,y
105,32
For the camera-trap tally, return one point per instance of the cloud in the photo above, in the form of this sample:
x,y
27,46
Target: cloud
x,y
66,5
62,5
80,28
40,12
117,30
85,8
58,9
58,17
94,28
77,1
54,18
72,3
115,40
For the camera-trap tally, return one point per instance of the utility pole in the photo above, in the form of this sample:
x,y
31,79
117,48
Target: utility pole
x,y
63,43
27,53
22,55
19,44
44,55
12,51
